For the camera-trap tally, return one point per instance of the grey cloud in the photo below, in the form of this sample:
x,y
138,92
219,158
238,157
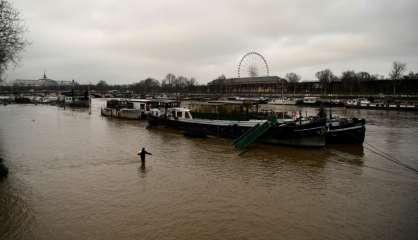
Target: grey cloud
x,y
125,41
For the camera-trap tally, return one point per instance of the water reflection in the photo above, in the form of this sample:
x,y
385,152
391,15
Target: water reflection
x,y
352,152
143,169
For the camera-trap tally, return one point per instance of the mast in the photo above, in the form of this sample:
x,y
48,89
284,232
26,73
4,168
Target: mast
x,y
89,95
282,87
330,102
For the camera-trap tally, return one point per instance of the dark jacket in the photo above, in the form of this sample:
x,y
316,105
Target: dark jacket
x,y
143,153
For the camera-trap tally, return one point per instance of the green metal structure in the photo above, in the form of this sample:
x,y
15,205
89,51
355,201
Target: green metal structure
x,y
252,134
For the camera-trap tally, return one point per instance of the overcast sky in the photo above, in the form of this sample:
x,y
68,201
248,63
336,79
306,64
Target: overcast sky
x,y
128,40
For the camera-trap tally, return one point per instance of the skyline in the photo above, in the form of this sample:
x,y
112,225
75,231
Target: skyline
x,y
122,44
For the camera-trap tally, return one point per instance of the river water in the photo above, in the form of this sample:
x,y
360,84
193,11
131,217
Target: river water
x,y
77,176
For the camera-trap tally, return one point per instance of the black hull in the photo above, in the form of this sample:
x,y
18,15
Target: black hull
x,y
351,133
308,135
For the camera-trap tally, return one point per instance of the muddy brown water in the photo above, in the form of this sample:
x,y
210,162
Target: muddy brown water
x,y
77,176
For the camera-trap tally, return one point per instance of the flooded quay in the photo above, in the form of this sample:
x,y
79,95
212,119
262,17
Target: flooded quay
x,y
75,175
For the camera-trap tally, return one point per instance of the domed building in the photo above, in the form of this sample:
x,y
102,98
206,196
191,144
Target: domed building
x,y
44,81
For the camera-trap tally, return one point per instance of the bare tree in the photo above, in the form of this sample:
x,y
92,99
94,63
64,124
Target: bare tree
x,y
192,82
181,82
324,77
349,80
293,78
12,41
398,70
363,76
168,81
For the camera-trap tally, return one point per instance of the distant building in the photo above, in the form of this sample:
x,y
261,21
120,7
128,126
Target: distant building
x,y
42,82
249,85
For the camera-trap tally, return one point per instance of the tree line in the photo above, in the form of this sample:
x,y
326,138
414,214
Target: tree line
x,y
351,81
170,83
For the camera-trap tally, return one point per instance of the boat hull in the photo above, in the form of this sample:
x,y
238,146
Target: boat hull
x,y
307,135
350,133
130,114
133,114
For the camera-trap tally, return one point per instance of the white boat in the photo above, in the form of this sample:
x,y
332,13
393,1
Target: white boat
x,y
336,101
50,99
351,102
126,109
283,101
362,102
310,100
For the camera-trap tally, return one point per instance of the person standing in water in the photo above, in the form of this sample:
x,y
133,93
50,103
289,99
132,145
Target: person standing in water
x,y
142,155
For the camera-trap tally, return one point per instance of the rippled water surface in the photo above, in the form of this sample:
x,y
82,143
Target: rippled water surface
x,y
77,176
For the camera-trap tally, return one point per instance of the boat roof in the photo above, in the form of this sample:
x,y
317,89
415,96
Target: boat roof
x,y
236,102
164,100
250,123
138,100
180,109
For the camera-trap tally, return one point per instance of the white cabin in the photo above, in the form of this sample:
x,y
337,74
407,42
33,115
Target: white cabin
x,y
141,104
172,113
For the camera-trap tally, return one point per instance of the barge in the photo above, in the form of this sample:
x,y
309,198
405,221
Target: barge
x,y
283,132
134,109
345,131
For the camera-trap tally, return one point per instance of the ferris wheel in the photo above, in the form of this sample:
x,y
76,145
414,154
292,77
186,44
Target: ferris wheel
x,y
253,64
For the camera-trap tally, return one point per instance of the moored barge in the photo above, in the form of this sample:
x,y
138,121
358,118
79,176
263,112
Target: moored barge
x,y
291,133
134,109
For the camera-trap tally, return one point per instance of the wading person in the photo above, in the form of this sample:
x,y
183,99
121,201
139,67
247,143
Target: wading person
x,y
142,155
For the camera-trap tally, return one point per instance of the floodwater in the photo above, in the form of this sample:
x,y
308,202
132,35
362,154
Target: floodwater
x,y
77,176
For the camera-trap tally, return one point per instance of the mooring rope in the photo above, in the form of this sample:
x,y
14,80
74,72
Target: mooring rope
x,y
386,156
390,158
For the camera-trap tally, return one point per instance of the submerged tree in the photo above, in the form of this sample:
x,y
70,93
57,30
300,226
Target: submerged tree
x,y
12,41
398,70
